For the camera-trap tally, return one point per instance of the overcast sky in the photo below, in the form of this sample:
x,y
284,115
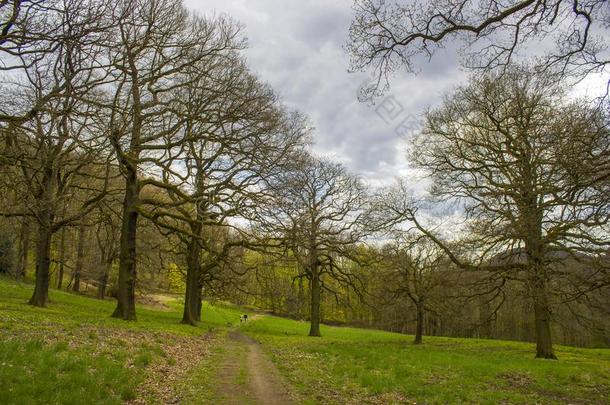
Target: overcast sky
x,y
297,46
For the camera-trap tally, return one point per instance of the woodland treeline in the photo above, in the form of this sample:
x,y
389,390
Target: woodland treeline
x,y
140,154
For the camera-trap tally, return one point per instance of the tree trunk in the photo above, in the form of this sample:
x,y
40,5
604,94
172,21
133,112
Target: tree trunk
x,y
126,295
199,301
531,215
538,280
301,301
103,280
80,253
126,292
192,295
542,321
314,329
25,247
485,322
419,328
40,297
62,258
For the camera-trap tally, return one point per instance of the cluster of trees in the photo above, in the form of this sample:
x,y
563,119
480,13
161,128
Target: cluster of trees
x,y
527,165
140,153
118,111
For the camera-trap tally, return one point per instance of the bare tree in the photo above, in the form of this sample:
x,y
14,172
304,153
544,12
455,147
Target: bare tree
x,y
237,134
55,147
318,213
412,267
107,235
386,36
156,43
530,172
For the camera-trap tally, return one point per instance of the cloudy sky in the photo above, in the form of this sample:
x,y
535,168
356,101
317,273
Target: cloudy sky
x,y
297,46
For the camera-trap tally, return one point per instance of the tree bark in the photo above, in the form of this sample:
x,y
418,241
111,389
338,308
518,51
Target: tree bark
x,y
419,328
80,253
531,216
538,279
126,298
40,297
199,300
542,321
301,301
103,280
192,297
314,329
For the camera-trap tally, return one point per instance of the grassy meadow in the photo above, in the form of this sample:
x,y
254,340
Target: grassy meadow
x,y
73,352
377,366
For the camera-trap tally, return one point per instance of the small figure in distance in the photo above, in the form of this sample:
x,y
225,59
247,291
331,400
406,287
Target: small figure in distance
x,y
243,318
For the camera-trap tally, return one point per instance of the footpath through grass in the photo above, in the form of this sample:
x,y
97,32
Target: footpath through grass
x,y
73,352
348,365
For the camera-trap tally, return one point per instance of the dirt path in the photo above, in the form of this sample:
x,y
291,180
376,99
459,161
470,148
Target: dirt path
x,y
247,375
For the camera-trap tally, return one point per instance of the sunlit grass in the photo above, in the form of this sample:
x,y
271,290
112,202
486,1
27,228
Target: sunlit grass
x,y
33,373
345,364
53,355
350,362
68,311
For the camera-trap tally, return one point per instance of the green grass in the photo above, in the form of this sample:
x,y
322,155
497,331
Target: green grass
x,y
69,311
376,366
33,373
73,352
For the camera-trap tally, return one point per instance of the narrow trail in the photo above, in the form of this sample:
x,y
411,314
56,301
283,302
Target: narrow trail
x,y
247,376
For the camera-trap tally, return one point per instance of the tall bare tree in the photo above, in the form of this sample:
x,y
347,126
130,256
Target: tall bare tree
x,y
156,43
236,135
54,148
412,269
318,213
530,171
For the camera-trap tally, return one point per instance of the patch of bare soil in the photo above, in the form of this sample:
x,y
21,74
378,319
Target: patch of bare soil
x,y
247,375
516,380
154,301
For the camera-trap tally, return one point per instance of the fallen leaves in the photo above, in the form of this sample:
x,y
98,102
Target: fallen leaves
x,y
180,355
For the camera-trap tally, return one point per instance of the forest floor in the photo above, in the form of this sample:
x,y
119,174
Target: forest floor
x,y
72,352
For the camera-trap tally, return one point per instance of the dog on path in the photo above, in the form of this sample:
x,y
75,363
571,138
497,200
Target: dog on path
x,y
243,318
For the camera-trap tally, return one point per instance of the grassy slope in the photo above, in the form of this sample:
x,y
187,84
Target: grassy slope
x,y
73,352
355,365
